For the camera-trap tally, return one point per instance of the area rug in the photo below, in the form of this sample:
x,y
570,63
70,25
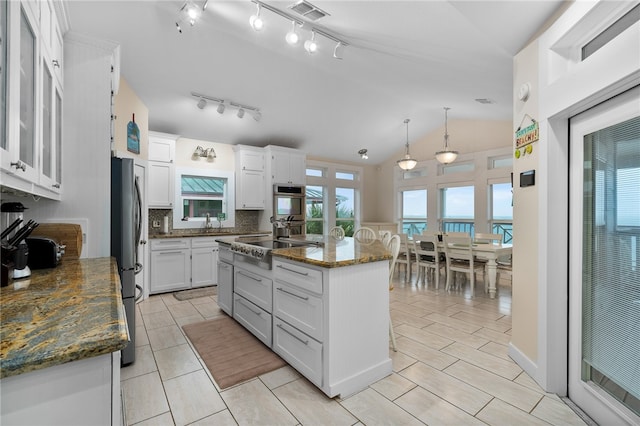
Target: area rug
x,y
231,353
196,292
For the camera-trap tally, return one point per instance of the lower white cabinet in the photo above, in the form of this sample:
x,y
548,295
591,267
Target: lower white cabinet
x,y
225,279
183,263
299,350
253,318
253,299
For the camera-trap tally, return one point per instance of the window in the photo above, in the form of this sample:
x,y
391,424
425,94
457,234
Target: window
x,y
612,32
345,210
315,209
457,209
202,192
315,172
503,161
502,211
414,211
457,168
346,175
415,173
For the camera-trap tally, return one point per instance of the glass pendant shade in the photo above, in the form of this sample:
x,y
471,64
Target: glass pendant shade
x,y
447,155
407,163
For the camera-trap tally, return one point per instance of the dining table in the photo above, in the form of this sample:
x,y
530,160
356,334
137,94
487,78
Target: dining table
x,y
490,252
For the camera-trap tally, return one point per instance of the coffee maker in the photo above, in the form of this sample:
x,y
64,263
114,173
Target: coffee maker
x,y
15,251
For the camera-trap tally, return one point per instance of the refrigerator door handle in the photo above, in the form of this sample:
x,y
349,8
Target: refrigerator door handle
x,y
138,268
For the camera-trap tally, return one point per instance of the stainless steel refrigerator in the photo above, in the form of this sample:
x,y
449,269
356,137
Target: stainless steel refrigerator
x,y
126,215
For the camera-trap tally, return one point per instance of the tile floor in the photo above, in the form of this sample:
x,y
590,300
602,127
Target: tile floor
x,y
451,367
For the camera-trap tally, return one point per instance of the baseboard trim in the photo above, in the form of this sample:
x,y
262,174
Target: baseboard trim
x,y
530,367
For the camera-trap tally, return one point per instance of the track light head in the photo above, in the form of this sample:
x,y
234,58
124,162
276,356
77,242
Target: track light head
x,y
202,103
241,113
338,51
256,21
310,45
363,154
292,36
257,115
220,108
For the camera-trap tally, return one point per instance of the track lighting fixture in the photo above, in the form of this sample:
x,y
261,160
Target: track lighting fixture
x,y
363,154
256,21
208,153
202,103
220,108
338,51
407,163
189,12
292,36
310,45
257,115
447,155
240,113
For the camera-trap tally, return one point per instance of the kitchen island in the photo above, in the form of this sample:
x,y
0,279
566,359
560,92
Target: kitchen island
x,y
61,332
324,308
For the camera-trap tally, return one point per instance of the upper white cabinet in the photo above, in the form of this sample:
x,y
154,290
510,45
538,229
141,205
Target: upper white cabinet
x,y
162,148
31,80
250,178
287,166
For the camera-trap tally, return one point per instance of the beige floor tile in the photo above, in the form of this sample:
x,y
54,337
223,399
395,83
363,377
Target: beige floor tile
x,y
144,397
371,408
145,363
141,336
151,305
209,310
452,322
483,322
165,419
279,377
427,355
182,309
455,391
165,337
507,369
223,418
393,386
556,413
409,309
496,349
253,403
401,317
456,335
158,319
433,410
482,310
498,412
310,406
493,335
400,360
423,336
189,320
176,361
508,391
526,380
192,397
169,299
202,300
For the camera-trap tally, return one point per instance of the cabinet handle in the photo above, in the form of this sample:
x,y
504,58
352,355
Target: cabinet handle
x,y
170,252
249,276
291,270
19,165
306,342
143,242
56,63
249,307
293,294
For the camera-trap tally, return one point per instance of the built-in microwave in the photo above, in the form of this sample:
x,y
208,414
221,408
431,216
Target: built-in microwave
x,y
289,202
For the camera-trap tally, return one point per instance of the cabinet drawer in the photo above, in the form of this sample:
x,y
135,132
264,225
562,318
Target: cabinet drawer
x,y
301,351
254,287
169,244
225,254
306,278
204,242
298,308
253,318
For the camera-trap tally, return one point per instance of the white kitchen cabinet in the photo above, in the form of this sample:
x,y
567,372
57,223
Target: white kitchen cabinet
x,y
204,261
161,170
250,178
225,279
170,265
287,166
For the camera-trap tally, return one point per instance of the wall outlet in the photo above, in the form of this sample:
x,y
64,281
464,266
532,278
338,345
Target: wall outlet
x,y
155,224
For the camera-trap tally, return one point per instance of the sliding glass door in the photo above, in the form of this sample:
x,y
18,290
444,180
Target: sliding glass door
x,y
604,324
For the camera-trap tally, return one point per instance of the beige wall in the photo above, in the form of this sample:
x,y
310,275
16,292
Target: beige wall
x,y
225,159
524,308
126,104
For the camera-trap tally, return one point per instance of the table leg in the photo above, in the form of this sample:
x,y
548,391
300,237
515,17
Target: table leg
x,y
491,269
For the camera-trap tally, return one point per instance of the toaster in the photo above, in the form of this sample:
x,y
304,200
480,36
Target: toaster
x,y
44,252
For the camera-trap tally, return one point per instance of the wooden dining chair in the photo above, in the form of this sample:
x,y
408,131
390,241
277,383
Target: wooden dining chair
x,y
405,256
337,232
460,260
393,246
385,236
365,234
427,257
482,238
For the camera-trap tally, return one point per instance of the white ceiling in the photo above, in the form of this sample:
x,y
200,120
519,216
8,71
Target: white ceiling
x,y
405,59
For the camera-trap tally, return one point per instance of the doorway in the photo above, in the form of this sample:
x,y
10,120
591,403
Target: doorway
x,y
604,259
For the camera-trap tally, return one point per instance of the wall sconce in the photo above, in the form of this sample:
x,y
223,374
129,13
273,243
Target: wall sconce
x,y
208,153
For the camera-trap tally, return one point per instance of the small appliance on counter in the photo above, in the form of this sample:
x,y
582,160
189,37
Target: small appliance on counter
x,y
44,252
15,251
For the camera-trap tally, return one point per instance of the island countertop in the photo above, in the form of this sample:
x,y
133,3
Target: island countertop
x,y
62,314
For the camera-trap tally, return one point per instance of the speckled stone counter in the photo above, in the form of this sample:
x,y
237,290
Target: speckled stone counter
x,y
336,253
212,233
62,314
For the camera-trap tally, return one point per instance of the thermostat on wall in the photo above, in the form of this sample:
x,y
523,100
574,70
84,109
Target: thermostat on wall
x,y
527,178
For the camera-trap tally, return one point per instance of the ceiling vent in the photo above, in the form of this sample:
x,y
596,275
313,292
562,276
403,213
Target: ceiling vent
x,y
308,10
485,101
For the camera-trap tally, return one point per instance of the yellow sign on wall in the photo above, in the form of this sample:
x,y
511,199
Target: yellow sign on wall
x,y
527,135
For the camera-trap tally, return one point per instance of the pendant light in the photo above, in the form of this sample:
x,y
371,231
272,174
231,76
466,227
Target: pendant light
x,y
447,155
407,163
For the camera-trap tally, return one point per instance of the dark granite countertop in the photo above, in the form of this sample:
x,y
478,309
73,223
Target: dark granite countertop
x,y
62,314
212,233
